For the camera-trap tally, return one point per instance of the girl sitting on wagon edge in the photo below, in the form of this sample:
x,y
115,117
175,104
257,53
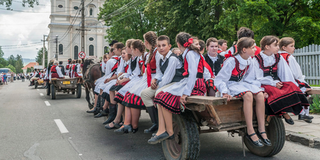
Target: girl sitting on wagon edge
x,y
236,70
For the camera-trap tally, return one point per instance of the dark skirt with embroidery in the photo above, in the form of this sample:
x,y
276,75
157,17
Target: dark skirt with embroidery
x,y
172,102
117,87
106,96
133,101
287,99
118,98
210,84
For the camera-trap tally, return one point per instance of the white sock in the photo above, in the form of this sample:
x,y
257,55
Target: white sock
x,y
307,111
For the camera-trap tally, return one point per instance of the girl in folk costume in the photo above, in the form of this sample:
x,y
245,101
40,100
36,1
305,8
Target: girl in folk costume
x,y
275,76
171,70
104,62
111,68
68,67
114,118
168,100
176,51
72,68
132,99
286,46
134,74
77,71
233,81
56,71
105,94
215,62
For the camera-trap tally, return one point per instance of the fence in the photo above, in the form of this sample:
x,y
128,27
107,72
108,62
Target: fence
x,y
308,58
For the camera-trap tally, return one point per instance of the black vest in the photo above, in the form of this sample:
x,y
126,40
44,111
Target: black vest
x,y
133,64
178,76
216,65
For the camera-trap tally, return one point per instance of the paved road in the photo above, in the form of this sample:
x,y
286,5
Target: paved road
x,y
28,130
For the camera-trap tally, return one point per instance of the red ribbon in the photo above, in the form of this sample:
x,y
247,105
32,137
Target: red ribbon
x,y
188,43
205,64
149,74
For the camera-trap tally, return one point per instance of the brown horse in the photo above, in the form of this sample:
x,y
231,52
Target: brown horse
x,y
92,71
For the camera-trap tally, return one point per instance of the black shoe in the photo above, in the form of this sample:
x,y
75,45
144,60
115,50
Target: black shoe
x,y
152,129
114,126
289,121
157,139
92,111
135,130
308,120
101,114
305,117
125,129
266,142
112,114
256,143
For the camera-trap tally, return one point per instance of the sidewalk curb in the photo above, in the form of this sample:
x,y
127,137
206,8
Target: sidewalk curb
x,y
306,140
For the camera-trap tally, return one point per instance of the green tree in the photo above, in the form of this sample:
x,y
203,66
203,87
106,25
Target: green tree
x,y
3,62
28,70
127,19
39,57
12,60
13,69
19,64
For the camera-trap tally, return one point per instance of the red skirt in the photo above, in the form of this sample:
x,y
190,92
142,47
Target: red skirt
x,y
118,98
54,75
287,99
210,84
172,102
133,101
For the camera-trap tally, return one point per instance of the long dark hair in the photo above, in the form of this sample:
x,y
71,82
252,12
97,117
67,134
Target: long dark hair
x,y
184,37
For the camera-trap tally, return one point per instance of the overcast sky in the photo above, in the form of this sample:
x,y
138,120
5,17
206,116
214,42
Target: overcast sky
x,y
24,27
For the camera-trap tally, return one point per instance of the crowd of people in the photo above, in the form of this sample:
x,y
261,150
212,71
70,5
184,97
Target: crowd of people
x,y
161,79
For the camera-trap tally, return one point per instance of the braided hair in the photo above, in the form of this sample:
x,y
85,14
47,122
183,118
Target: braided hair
x,y
151,38
183,38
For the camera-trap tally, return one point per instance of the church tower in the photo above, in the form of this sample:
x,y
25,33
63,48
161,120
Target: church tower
x,y
65,24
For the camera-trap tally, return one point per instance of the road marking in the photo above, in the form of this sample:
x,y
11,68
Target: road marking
x,y
41,94
47,103
38,90
61,126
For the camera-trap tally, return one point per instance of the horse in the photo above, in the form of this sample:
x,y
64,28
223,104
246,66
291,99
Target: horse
x,y
92,71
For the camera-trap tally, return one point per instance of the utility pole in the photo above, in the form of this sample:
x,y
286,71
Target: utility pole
x,y
82,26
56,47
43,51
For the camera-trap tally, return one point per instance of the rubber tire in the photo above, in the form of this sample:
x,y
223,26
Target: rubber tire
x,y
78,91
48,90
35,85
277,135
188,136
53,92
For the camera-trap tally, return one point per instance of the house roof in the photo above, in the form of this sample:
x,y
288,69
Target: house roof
x,y
30,64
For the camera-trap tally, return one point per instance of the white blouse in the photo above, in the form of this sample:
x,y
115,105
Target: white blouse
x,y
284,72
173,64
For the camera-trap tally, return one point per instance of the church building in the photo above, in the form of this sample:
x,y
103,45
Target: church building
x,y
65,24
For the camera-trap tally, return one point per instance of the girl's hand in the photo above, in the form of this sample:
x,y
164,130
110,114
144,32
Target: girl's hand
x,y
226,95
279,85
308,89
183,99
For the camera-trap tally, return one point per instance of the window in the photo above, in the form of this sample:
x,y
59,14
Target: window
x,y
91,39
91,11
75,7
60,6
60,49
75,52
91,50
106,50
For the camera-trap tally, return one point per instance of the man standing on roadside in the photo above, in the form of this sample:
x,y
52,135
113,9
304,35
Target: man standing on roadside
x,y
5,79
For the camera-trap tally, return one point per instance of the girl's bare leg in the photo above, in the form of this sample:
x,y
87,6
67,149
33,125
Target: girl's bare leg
x,y
247,109
162,126
135,117
167,115
260,111
127,118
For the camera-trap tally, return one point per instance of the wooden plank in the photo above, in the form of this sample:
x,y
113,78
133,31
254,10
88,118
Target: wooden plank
x,y
196,107
208,100
213,113
314,91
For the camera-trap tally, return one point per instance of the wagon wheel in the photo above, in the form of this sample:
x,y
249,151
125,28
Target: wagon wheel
x,y
48,89
276,133
78,90
186,143
53,91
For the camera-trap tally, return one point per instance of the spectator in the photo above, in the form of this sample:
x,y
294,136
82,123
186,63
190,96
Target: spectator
x,y
223,46
62,68
5,79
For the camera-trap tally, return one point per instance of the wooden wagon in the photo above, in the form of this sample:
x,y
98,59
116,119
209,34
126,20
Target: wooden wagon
x,y
67,85
211,114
